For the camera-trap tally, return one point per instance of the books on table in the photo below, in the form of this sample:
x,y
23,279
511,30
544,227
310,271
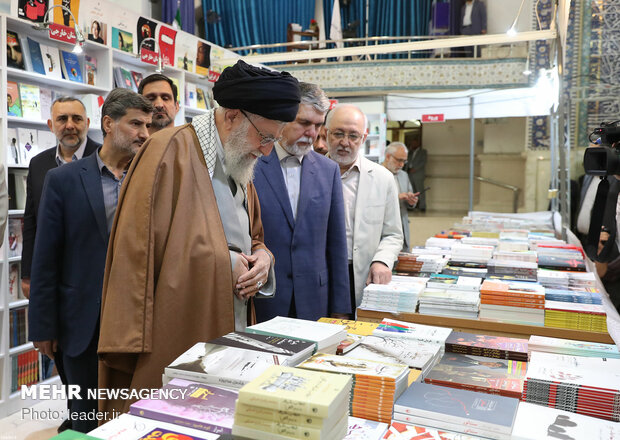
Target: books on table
x,y
362,429
325,336
409,330
392,297
130,427
452,409
500,347
190,404
579,316
355,331
571,347
445,302
405,431
237,358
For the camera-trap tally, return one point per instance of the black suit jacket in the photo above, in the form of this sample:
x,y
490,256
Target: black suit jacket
x,y
39,166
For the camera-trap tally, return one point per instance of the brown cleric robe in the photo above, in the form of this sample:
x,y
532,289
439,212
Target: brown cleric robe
x,y
168,280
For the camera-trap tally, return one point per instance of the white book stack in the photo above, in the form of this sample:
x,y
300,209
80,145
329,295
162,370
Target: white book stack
x,y
581,280
430,250
409,280
393,297
571,347
513,245
409,330
481,241
529,256
445,302
553,279
471,253
441,243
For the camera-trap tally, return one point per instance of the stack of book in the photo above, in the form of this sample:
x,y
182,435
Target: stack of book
x,y
235,359
528,256
553,279
574,348
413,264
561,263
190,404
457,410
481,241
326,337
408,330
454,282
468,254
449,302
512,270
421,356
477,373
513,244
356,330
535,422
376,385
362,429
583,385
286,402
518,302
499,347
586,296
440,243
477,272
578,316
393,297
128,427
581,280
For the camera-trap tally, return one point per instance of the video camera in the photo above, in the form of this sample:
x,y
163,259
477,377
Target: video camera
x,y
603,160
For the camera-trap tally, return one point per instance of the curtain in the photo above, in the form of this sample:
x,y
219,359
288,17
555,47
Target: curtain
x,y
247,22
188,16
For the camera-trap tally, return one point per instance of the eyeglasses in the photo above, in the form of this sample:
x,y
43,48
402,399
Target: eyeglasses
x,y
264,139
399,160
340,135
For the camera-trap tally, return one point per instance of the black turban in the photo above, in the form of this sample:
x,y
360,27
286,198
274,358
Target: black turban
x,y
273,95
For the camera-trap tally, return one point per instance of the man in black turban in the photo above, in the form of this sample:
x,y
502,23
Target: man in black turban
x,y
186,253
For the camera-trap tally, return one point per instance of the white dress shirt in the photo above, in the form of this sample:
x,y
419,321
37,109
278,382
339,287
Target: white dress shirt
x,y
291,171
467,16
350,183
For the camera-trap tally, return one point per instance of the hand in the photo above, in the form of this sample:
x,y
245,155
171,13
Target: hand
x,y
379,274
241,266
413,198
26,287
248,283
47,348
602,241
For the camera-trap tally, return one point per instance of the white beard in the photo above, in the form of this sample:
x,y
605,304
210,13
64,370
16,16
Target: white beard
x,y
298,150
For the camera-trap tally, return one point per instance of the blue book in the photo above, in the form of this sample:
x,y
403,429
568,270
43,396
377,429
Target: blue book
x,y
441,405
35,56
574,296
71,68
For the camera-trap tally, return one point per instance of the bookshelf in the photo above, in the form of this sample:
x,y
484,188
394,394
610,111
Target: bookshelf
x,y
107,59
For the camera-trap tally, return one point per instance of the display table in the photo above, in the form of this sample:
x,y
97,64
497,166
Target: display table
x,y
487,327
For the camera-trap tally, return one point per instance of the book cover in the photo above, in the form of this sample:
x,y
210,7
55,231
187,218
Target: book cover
x,y
122,40
200,99
33,10
14,282
185,51
63,17
354,366
190,95
90,67
396,351
128,80
31,101
51,61
47,97
146,28
36,58
16,226
290,430
559,263
27,141
265,343
362,429
297,390
324,335
13,102
14,51
400,329
192,405
70,434
94,18
203,58
167,37
404,431
12,148
463,407
71,66
361,328
137,78
129,427
487,345
478,373
285,416
568,346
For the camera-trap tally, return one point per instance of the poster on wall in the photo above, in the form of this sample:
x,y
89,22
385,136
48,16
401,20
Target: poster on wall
x,y
62,15
33,10
122,24
185,51
203,58
93,19
146,29
166,37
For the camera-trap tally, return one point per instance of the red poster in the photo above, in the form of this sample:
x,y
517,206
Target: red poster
x,y
167,38
62,33
433,118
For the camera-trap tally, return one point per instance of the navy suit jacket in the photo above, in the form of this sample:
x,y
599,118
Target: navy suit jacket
x,y
478,19
69,257
310,252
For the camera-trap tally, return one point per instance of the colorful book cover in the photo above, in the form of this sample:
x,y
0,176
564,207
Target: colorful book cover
x,y
36,58
361,328
12,147
404,431
265,343
94,14
498,376
33,10
62,16
167,37
559,263
203,58
129,427
146,28
90,66
51,61
28,144
13,101
31,102
192,405
70,434
200,99
420,332
71,66
14,51
137,78
296,390
324,335
16,226
185,51
487,345
122,40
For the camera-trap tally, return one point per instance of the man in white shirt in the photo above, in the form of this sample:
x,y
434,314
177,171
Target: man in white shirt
x,y
374,230
473,22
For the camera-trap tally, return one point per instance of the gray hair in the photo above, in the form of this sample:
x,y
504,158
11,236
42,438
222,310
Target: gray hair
x,y
119,100
349,106
66,98
393,147
313,95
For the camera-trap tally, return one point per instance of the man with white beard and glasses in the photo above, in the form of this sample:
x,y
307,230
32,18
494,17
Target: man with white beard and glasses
x,y
162,92
374,230
302,211
186,253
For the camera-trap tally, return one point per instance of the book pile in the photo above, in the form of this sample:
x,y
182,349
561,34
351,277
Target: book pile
x,y
286,402
513,244
583,385
190,404
528,256
235,359
412,264
586,296
460,271
356,330
404,431
518,302
578,316
440,243
561,263
457,410
553,279
453,282
481,241
560,249
445,302
420,356
499,347
535,422
128,427
393,297
376,385
468,254
326,337
512,270
571,347
408,330
581,280
477,373
362,429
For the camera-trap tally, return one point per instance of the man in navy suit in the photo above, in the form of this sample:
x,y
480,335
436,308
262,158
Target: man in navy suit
x,y
473,22
75,218
302,210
